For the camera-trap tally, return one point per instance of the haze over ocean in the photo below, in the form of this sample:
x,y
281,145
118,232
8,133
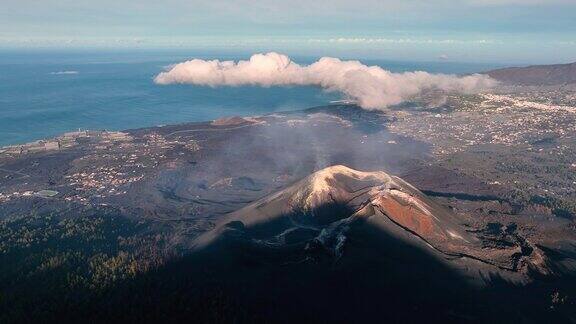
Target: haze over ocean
x,y
44,93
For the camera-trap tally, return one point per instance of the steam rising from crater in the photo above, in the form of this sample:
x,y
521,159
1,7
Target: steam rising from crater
x,y
371,86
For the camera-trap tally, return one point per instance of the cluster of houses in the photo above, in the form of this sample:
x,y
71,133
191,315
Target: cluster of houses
x,y
494,119
64,141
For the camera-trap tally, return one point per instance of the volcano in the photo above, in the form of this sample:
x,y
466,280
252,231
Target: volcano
x,y
348,245
338,205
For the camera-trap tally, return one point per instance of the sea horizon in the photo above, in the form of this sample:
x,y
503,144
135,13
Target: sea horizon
x,y
47,92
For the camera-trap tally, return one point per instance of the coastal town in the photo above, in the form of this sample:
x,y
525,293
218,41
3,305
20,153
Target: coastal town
x,y
524,141
107,162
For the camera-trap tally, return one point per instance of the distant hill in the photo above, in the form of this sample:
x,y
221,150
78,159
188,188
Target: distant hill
x,y
537,74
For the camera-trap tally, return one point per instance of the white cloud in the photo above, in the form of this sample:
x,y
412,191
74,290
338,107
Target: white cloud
x,y
519,2
364,40
371,86
64,72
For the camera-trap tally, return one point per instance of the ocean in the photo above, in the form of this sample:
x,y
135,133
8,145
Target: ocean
x,y
44,93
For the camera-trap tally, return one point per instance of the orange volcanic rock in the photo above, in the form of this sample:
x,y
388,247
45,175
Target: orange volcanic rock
x,y
409,216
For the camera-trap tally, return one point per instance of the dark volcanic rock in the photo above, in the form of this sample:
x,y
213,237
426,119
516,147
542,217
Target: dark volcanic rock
x,y
340,204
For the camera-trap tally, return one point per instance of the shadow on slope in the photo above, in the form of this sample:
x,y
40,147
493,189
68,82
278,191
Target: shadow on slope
x,y
379,278
235,279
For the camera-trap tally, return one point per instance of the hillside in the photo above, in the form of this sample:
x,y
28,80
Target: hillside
x,y
556,74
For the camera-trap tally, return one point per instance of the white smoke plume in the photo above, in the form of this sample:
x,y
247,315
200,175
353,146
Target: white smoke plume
x,y
371,86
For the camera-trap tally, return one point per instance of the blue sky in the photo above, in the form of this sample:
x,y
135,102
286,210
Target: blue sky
x,y
525,31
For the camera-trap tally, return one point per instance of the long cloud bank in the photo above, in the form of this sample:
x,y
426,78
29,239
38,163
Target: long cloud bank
x,y
371,86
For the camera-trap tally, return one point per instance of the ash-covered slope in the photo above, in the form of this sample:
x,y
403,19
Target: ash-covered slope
x,y
535,75
336,205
